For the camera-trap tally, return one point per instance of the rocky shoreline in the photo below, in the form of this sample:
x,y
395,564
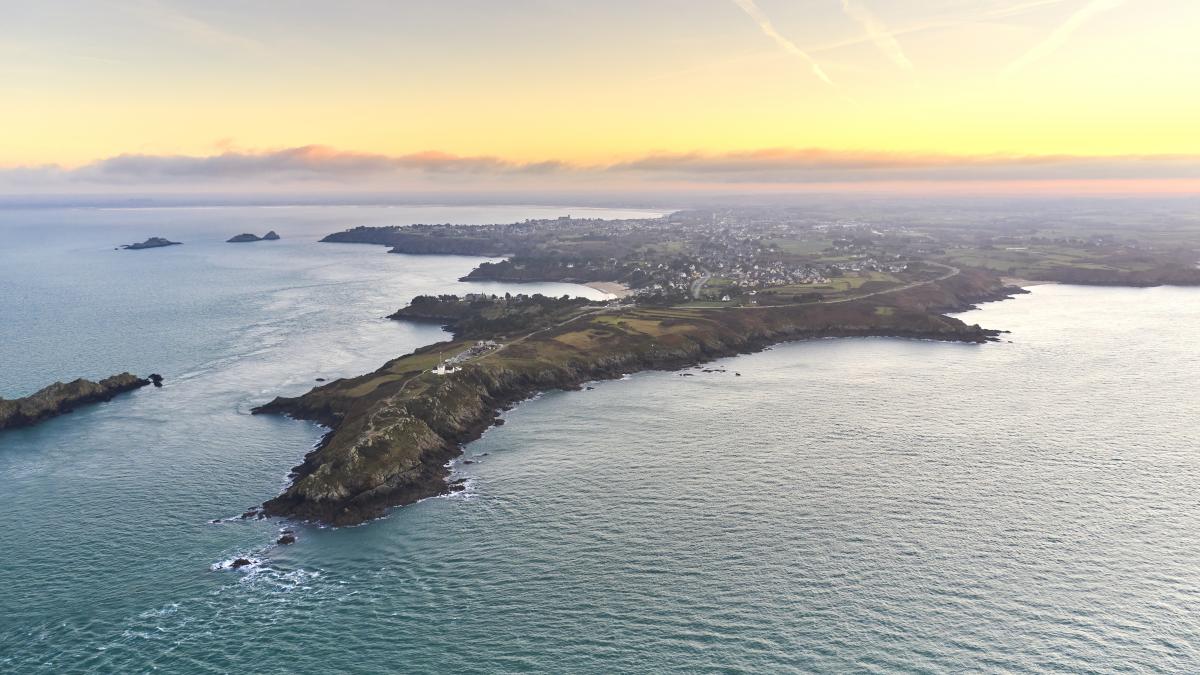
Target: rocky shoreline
x,y
61,398
393,431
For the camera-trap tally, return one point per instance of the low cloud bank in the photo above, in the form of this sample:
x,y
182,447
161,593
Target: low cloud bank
x,y
308,166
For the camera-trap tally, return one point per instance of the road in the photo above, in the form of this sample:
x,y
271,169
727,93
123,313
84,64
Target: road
x,y
698,285
950,271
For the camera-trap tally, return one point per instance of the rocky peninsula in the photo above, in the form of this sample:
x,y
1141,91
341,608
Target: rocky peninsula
x,y
61,398
706,283
392,431
152,242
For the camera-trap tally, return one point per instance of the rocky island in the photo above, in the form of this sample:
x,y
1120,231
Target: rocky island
x,y
247,237
61,398
152,242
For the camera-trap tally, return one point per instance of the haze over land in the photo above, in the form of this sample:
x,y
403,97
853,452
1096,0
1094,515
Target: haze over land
x,y
575,97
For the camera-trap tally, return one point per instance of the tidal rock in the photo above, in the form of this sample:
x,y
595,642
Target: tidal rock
x,y
240,563
270,236
286,538
156,379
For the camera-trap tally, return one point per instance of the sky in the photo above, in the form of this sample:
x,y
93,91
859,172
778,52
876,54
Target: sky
x,y
772,95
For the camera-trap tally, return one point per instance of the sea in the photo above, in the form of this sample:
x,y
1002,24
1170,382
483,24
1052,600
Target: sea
x,y
846,505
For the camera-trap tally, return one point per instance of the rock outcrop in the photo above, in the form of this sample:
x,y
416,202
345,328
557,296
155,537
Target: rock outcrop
x,y
152,242
247,237
61,398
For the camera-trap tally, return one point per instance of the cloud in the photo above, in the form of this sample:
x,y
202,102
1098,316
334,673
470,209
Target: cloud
x,y
1063,33
951,21
877,32
300,163
315,166
817,165
768,29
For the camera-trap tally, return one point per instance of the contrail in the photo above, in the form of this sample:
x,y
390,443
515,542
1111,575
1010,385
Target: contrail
x,y
1063,33
878,33
768,29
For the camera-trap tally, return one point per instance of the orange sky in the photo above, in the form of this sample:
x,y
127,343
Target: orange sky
x,y
591,84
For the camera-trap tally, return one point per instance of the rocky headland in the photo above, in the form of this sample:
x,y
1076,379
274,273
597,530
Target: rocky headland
x,y
393,431
61,398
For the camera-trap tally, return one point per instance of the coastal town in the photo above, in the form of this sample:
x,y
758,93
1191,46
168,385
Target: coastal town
x,y
737,255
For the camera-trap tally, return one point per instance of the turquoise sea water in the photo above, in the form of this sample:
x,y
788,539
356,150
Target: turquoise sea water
x,y
844,505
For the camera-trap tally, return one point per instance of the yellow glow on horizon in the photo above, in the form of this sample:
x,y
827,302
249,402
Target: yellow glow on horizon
x,y
1122,85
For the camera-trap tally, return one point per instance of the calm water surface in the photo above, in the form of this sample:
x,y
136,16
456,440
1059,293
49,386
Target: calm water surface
x,y
844,505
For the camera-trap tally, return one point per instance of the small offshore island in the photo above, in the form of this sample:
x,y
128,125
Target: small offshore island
x,y
248,237
706,284
152,242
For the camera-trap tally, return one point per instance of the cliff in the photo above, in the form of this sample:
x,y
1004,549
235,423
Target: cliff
x,y
61,398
